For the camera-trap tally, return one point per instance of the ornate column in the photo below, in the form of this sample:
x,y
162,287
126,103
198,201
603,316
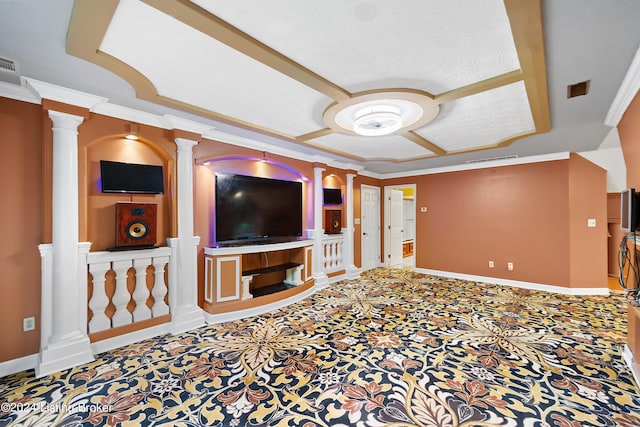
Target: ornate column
x,y
321,279
350,269
67,344
185,313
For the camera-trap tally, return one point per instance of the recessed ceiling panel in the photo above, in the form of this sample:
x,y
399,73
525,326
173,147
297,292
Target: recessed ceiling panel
x,y
186,65
432,45
393,147
482,120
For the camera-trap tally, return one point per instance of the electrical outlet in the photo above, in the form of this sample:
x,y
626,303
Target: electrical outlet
x,y
28,324
591,222
423,209
510,266
491,265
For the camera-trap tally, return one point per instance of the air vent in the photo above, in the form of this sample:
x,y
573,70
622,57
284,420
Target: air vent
x,y
7,65
9,71
490,159
578,89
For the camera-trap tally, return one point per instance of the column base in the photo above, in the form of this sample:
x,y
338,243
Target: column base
x,y
64,355
352,272
186,320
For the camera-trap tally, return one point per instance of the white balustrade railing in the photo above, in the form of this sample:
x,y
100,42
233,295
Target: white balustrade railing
x,y
332,250
149,267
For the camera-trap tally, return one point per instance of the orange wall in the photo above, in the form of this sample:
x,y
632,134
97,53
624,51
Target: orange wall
x,y
588,246
516,214
21,183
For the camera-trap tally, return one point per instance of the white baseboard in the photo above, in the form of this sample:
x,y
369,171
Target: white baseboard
x,y
517,283
130,338
18,365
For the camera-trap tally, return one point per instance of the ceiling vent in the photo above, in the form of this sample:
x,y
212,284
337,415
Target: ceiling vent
x,y
490,159
9,71
578,89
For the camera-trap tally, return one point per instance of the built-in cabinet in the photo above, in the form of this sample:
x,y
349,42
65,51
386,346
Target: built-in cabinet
x,y
240,277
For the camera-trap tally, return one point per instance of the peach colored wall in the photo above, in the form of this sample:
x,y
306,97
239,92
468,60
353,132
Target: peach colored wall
x,y
588,245
516,214
629,131
21,186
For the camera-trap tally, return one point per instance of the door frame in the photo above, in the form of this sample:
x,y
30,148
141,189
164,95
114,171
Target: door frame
x,y
379,236
387,223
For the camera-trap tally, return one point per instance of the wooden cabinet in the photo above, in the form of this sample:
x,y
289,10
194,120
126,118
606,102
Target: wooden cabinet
x,y
247,276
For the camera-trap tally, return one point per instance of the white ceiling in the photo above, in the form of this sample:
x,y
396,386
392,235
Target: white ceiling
x,y
268,70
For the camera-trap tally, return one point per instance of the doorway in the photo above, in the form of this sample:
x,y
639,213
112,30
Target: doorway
x,y
399,225
370,225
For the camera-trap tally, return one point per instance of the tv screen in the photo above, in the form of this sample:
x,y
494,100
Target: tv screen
x,y
331,196
629,210
118,177
250,209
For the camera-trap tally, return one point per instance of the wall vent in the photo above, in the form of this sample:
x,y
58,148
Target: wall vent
x,y
578,89
9,71
490,159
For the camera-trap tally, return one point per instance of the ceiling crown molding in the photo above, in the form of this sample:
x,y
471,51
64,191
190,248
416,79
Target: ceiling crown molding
x,y
628,90
65,95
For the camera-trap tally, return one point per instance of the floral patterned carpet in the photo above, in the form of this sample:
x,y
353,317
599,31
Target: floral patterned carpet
x,y
393,348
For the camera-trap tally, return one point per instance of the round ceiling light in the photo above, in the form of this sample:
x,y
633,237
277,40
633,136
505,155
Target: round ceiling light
x,y
377,120
381,112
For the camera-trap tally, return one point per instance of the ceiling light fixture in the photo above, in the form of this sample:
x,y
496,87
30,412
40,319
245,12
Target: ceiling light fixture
x,y
132,132
377,120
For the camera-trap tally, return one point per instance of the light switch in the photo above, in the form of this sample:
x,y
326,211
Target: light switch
x,y
356,221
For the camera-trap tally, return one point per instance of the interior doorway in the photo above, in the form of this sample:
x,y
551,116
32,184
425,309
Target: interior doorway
x,y
370,225
399,225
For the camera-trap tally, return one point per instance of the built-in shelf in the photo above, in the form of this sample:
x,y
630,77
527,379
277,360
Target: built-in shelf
x,y
271,289
272,269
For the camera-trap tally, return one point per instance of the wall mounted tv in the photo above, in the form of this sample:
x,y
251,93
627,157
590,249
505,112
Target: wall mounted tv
x,y
629,210
120,177
331,196
254,210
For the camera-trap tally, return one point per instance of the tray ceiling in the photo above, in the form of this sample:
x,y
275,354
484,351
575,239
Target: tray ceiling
x,y
476,70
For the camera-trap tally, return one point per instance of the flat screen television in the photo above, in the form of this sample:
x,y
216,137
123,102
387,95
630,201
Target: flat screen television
x,y
331,196
629,210
254,210
118,177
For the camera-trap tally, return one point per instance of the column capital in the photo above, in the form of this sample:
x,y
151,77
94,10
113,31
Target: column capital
x,y
66,120
185,144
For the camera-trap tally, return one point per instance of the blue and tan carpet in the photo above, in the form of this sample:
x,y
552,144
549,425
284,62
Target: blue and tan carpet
x,y
393,348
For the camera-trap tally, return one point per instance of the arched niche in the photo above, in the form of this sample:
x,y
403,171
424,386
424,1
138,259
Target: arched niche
x,y
97,209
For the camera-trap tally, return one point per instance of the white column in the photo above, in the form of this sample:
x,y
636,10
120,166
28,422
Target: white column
x,y
186,314
349,247
319,276
68,344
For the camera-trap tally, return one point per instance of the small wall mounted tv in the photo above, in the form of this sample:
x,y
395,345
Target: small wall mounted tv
x,y
629,210
118,177
254,210
331,196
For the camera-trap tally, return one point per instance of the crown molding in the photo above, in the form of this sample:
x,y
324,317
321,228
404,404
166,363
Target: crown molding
x,y
627,91
44,90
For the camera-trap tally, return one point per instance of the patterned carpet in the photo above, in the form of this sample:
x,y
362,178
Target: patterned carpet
x,y
393,348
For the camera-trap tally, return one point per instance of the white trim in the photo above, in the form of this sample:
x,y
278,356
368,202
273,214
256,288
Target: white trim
x,y
481,165
627,91
517,283
20,364
633,366
255,311
208,279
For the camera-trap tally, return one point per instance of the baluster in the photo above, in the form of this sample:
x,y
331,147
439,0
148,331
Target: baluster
x,y
141,292
159,287
333,255
339,255
121,298
99,299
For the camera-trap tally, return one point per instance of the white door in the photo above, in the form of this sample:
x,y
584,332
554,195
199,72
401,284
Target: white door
x,y
396,219
370,224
